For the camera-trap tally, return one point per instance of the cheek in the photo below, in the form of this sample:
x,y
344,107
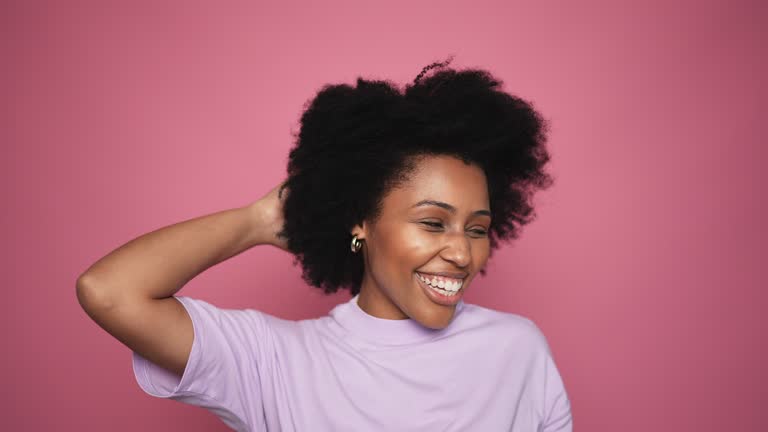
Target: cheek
x,y
410,247
481,253
419,246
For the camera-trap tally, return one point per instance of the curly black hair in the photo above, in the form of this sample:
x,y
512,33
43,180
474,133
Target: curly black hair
x,y
357,143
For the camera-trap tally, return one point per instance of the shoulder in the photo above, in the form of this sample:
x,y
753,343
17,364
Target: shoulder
x,y
205,311
505,326
210,311
241,323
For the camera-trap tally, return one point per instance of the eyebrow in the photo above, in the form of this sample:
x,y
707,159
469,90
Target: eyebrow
x,y
449,207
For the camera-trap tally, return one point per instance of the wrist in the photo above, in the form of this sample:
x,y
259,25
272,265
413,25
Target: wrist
x,y
259,224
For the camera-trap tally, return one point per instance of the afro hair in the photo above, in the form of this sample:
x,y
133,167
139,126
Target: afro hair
x,y
357,143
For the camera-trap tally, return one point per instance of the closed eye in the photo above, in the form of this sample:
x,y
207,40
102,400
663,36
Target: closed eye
x,y
479,232
433,224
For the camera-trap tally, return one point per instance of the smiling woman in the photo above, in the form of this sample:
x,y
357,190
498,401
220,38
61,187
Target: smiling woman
x,y
399,197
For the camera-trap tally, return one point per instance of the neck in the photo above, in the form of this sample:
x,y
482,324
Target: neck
x,y
375,303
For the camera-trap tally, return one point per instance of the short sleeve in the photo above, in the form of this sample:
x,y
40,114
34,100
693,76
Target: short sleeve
x,y
558,416
222,370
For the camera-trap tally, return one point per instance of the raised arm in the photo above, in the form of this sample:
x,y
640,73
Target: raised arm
x,y
129,291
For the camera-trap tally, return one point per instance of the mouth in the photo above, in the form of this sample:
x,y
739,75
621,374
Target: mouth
x,y
448,295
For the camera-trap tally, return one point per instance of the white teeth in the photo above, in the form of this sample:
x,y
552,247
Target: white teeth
x,y
444,292
444,286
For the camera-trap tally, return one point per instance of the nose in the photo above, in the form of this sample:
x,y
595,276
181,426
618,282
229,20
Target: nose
x,y
457,249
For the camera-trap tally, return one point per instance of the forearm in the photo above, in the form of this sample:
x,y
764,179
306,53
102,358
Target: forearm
x,y
159,263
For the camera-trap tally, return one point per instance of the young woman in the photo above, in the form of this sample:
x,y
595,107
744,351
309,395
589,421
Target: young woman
x,y
399,197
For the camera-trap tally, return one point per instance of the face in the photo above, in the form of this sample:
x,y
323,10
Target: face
x,y
434,226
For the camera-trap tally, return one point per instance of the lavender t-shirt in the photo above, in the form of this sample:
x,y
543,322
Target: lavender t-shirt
x,y
350,371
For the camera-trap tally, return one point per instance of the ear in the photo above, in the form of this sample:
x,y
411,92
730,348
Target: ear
x,y
360,230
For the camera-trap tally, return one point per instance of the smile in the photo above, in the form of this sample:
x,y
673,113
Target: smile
x,y
444,285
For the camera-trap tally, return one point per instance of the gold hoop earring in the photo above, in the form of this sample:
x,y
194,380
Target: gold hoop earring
x,y
356,244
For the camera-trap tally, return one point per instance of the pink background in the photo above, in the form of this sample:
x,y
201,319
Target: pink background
x,y
642,269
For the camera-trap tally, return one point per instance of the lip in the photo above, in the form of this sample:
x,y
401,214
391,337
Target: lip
x,y
436,296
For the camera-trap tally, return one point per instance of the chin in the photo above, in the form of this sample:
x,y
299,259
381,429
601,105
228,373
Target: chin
x,y
437,320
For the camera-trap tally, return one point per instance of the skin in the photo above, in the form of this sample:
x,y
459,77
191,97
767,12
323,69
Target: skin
x,y
404,240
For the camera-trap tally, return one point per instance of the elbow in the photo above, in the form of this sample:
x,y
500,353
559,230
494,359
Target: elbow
x,y
91,295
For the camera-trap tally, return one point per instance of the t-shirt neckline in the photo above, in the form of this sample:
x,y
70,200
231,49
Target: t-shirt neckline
x,y
383,331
